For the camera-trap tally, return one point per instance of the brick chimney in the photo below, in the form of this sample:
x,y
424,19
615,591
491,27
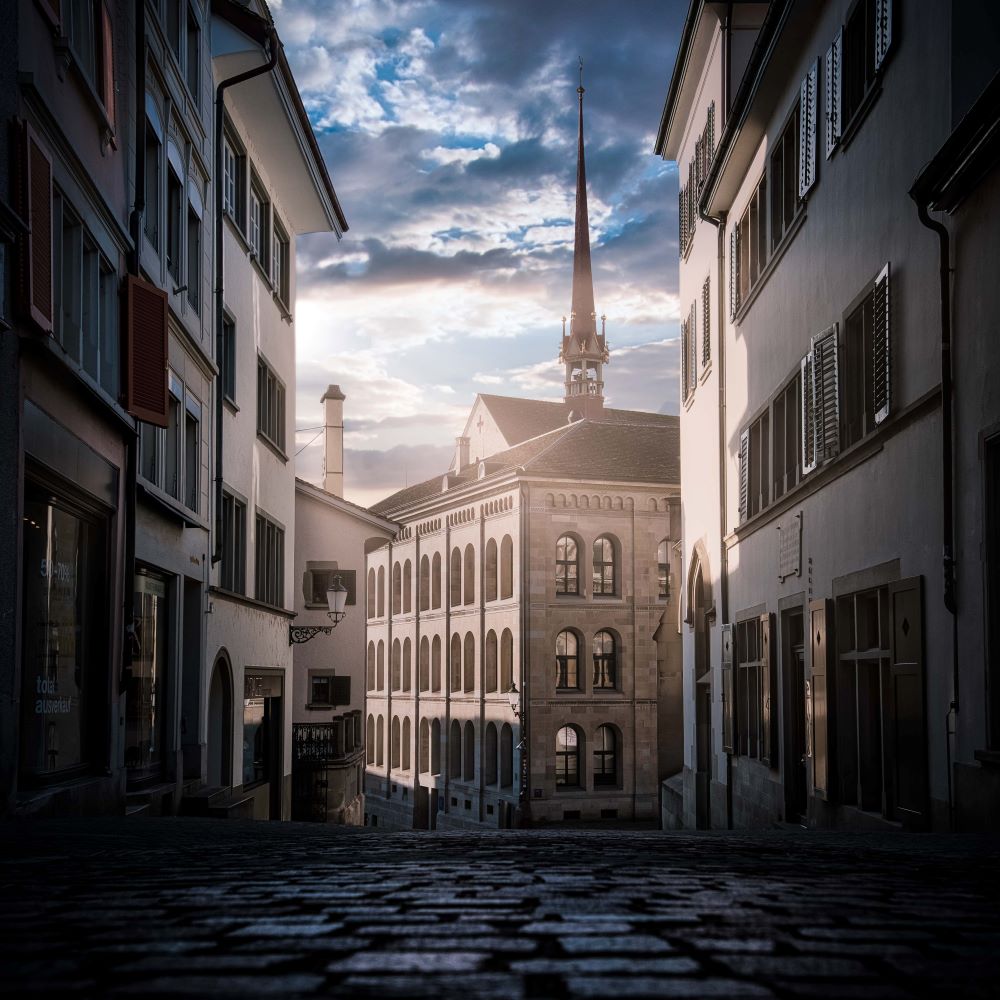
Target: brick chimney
x,y
461,453
333,464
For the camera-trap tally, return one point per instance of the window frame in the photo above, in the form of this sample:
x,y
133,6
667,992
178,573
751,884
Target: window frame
x,y
271,589
603,776
568,777
233,565
281,263
603,591
567,663
564,564
605,661
234,174
272,416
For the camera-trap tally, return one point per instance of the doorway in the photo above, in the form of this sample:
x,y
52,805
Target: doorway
x,y
794,680
699,597
220,726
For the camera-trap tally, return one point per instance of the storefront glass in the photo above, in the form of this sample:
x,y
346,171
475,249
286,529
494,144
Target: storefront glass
x,y
144,693
261,719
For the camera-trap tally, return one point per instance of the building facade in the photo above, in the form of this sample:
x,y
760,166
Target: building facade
x,y
819,663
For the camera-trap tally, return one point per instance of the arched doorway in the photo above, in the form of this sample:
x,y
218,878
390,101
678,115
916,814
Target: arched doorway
x,y
699,604
220,725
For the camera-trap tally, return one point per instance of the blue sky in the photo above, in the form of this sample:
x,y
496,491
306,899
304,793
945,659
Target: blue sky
x,y
449,129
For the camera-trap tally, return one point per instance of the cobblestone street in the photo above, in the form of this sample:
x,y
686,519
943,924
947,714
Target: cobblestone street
x,y
203,907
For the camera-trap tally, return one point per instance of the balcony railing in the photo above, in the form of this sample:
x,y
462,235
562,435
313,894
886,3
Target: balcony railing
x,y
319,742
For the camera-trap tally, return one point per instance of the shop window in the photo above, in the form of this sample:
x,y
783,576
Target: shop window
x,y
146,686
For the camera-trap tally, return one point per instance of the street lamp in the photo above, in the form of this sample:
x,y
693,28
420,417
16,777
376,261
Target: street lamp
x,y
515,700
336,601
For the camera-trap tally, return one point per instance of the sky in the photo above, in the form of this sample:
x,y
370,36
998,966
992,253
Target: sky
x,y
449,130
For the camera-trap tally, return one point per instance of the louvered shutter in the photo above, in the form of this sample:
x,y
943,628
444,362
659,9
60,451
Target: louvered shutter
x,y
35,296
826,394
807,131
682,207
145,317
107,64
883,30
692,204
881,348
834,76
768,685
808,416
710,133
693,347
744,472
734,271
728,734
685,334
706,327
821,693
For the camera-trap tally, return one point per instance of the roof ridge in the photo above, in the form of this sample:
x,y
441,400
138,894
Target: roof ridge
x,y
568,429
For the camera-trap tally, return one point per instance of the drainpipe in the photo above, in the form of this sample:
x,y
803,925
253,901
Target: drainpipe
x,y
524,779
220,107
947,474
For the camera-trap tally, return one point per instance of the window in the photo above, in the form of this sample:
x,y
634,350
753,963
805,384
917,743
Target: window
x,y
381,592
567,675
370,667
319,577
370,740
455,682
234,543
234,179
193,258
690,193
820,371
455,749
490,756
567,566
82,33
370,602
270,405
436,663
396,666
786,426
605,583
259,213
469,755
436,581
456,578
606,757
506,660
469,663
866,364
174,239
407,664
280,264
192,452
269,546
170,458
506,756
663,570
424,753
380,742
328,690
436,747
174,442
469,590
755,723
192,69
748,247
151,215
755,444
394,743
172,25
424,584
490,662
424,665
380,667
228,359
785,203
407,587
991,576
689,354
706,326
605,661
490,571
506,568
567,758
397,589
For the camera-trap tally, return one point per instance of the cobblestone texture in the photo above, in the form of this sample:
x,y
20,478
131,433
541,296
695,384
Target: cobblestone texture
x,y
202,907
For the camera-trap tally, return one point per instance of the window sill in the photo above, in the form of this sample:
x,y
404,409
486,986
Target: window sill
x,y
320,708
169,505
251,602
259,268
771,266
236,230
857,119
271,446
988,758
282,308
231,404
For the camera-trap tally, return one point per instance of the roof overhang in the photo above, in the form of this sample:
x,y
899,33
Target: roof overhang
x,y
343,506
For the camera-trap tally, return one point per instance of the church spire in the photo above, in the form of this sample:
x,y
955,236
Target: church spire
x,y
584,350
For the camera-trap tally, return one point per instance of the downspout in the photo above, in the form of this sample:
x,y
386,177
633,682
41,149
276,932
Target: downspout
x,y
220,108
524,779
947,474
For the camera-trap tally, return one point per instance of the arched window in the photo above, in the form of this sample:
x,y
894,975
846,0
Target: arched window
x,y
406,743
436,581
371,593
394,743
380,742
436,664
424,754
455,590
381,592
424,665
567,659
567,566
506,660
605,578
370,740
606,757
397,589
506,756
490,662
605,661
455,749
435,747
469,661
424,587
455,673
407,664
407,587
490,571
490,755
380,680
396,673
567,758
506,568
371,666
663,571
469,756
470,575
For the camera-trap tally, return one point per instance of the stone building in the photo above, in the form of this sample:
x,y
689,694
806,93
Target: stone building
x,y
523,652
834,446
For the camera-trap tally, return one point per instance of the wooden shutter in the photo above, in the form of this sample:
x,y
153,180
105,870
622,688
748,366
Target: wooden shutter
x,y
728,734
693,347
146,395
710,135
826,394
834,76
744,472
682,204
706,331
807,131
881,352
908,728
821,693
768,687
685,334
808,421
883,31
734,271
35,296
107,64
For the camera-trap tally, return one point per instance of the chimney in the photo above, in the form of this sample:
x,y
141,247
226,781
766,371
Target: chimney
x,y
461,453
333,419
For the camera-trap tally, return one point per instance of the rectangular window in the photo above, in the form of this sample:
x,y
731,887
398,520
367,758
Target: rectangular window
x,y
269,561
858,58
991,568
174,445
193,67
151,214
193,258
170,458
234,544
259,218
228,359
280,265
174,209
192,453
785,201
82,33
750,689
318,582
270,405
787,437
329,690
866,375
755,445
173,14
234,180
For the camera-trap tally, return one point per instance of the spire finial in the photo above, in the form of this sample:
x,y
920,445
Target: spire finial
x,y
579,89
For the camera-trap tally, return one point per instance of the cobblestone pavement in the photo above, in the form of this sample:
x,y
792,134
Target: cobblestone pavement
x,y
163,907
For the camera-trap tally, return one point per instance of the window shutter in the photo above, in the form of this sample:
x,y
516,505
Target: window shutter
x,y
826,394
744,472
108,64
808,416
881,349
883,31
734,263
685,334
728,735
146,331
710,133
693,348
706,327
821,693
682,206
834,75
35,296
807,131
768,685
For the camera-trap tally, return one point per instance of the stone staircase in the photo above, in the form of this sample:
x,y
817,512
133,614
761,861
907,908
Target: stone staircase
x,y
218,803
